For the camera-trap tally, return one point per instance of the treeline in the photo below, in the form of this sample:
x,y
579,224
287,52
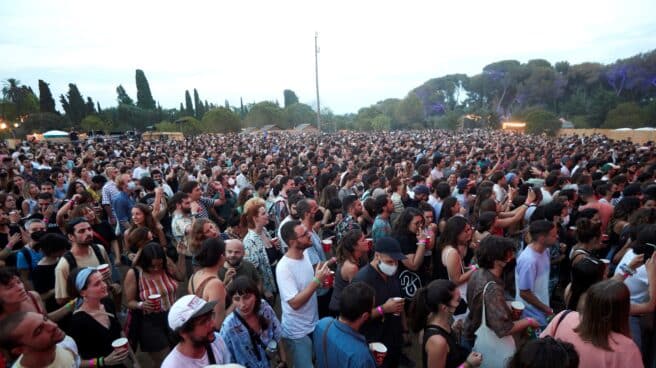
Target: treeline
x,y
590,95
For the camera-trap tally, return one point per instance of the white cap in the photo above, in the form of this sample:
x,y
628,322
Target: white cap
x,y
186,308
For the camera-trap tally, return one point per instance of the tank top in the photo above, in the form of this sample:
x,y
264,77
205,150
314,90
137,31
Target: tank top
x,y
163,284
457,354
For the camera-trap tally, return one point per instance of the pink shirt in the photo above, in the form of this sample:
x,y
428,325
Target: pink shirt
x,y
624,352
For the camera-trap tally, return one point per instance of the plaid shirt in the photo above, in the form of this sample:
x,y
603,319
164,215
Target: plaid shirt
x,y
347,224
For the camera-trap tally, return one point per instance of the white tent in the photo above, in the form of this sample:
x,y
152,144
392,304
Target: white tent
x,y
646,129
623,129
55,134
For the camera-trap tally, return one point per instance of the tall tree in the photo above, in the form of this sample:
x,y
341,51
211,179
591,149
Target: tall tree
x,y
198,104
22,98
91,107
189,107
144,97
46,102
207,106
98,107
290,97
122,97
181,108
74,105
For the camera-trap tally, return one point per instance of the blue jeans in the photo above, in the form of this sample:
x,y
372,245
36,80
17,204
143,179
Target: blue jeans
x,y
299,352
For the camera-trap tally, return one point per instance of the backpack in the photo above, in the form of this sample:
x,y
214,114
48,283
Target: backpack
x,y
72,263
28,258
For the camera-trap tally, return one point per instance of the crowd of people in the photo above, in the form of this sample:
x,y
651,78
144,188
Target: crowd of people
x,y
390,249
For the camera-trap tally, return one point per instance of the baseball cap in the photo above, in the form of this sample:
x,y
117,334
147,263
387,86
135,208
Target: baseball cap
x,y
462,183
421,189
187,308
389,246
606,168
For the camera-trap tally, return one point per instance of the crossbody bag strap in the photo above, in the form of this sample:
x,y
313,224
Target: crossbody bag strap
x,y
483,319
255,338
210,353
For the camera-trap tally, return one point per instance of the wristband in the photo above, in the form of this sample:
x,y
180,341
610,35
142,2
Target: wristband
x,y
421,244
316,279
380,310
71,305
9,246
140,305
529,320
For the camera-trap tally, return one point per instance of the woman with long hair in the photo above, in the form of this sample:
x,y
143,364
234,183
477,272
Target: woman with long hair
x,y
205,283
257,241
156,275
351,255
252,328
201,229
30,190
95,325
600,331
619,223
431,314
408,230
331,206
142,216
545,353
452,248
450,208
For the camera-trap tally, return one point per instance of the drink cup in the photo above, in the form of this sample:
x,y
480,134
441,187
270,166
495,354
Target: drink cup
x,y
327,245
272,349
370,244
120,344
606,265
379,350
104,270
156,299
517,309
397,299
329,281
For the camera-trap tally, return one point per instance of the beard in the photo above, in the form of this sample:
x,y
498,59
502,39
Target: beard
x,y
199,342
234,262
186,211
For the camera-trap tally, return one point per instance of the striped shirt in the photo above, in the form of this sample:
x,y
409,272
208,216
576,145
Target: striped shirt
x,y
161,284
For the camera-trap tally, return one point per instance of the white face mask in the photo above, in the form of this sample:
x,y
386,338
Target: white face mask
x,y
387,269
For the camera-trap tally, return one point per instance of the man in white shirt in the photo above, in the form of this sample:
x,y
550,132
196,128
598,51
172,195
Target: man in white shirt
x,y
191,318
39,342
499,188
297,284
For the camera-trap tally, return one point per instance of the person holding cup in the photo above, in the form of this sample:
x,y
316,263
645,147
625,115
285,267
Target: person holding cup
x,y
150,289
94,325
432,310
350,252
493,254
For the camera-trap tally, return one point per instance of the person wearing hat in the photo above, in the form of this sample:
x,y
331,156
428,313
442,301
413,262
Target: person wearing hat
x,y
421,195
609,170
190,318
385,323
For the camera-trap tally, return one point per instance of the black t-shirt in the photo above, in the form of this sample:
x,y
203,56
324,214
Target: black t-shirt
x,y
43,279
103,234
389,330
411,281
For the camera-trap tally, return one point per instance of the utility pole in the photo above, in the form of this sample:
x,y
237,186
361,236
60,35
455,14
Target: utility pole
x,y
316,73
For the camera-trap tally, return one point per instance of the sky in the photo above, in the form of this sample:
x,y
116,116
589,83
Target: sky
x,y
369,50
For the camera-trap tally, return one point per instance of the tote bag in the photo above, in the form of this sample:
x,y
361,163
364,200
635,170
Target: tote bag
x,y
495,351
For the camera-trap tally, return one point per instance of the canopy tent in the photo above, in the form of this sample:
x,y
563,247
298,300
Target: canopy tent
x,y
55,134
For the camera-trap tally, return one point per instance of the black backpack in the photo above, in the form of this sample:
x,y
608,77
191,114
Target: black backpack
x,y
72,263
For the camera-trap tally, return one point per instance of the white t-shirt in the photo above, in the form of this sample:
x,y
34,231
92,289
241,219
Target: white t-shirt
x,y
176,359
638,284
500,193
66,355
293,276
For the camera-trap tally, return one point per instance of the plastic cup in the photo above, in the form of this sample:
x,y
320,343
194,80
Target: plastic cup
x,y
379,350
120,343
370,244
104,270
156,298
397,299
327,245
517,309
329,281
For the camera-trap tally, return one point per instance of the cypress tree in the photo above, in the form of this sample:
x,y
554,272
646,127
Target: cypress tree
x,y
144,97
207,106
98,108
189,107
74,104
122,96
91,107
181,109
199,106
46,102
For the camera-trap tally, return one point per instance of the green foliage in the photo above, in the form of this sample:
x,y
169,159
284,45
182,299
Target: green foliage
x,y
290,97
410,112
299,113
46,102
122,96
381,123
220,120
189,126
580,122
264,113
448,121
539,120
94,122
626,115
144,97
167,126
91,107
22,98
74,105
189,107
42,122
200,108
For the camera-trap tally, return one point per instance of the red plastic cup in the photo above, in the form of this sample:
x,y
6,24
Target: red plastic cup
x,y
327,245
329,281
379,350
156,299
120,344
370,244
104,270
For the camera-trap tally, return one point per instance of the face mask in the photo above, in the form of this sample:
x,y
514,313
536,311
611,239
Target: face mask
x,y
37,235
132,186
318,216
387,269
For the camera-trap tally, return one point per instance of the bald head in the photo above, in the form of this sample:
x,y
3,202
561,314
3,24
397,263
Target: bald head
x,y
234,251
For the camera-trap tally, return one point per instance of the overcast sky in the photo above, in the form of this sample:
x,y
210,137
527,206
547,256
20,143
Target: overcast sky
x,y
370,50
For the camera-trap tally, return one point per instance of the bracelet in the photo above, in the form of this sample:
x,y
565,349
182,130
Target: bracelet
x,y
380,310
71,305
421,244
627,270
140,305
315,279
